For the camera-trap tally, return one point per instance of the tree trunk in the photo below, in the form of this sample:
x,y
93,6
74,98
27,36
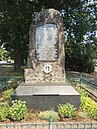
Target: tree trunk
x,y
17,61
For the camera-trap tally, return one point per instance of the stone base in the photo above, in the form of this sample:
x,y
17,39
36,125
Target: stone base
x,y
46,96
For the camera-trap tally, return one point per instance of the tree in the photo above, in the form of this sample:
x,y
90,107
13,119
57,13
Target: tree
x,y
81,21
16,15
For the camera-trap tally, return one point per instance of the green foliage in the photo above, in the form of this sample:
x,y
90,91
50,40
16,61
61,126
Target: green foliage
x,y
4,103
47,114
79,20
18,110
4,111
8,93
14,82
89,106
9,71
4,55
82,92
19,15
79,56
66,110
79,50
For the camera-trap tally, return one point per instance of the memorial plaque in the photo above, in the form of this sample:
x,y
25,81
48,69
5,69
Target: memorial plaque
x,y
46,42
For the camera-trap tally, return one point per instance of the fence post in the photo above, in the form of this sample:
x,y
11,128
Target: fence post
x,y
21,125
6,126
77,125
91,125
70,125
84,125
43,126
80,79
64,126
28,126
14,126
5,81
50,122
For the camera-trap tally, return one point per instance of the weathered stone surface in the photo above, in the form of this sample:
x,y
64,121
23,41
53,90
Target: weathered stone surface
x,y
38,75
46,46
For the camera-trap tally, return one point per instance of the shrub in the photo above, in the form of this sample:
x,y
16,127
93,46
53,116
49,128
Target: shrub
x,y
47,114
89,106
66,110
4,103
8,94
4,111
18,110
82,92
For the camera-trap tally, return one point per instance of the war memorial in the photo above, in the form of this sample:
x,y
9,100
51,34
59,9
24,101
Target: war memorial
x,y
45,84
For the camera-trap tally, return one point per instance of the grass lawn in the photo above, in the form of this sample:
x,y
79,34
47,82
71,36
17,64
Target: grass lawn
x,y
8,70
9,78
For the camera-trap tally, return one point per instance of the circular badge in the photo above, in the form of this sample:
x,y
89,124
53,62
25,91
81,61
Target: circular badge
x,y
47,68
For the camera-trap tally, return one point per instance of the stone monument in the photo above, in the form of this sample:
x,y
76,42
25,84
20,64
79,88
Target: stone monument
x,y
45,83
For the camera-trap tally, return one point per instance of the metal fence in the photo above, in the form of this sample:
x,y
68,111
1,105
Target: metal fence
x,y
3,81
89,86
74,79
85,83
51,125
10,81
